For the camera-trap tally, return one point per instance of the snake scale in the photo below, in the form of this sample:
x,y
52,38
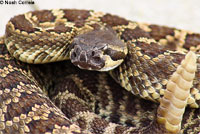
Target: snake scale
x,y
58,97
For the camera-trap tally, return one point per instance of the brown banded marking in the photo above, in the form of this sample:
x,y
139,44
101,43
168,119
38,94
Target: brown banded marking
x,y
123,102
127,33
144,55
44,34
172,38
85,116
79,92
105,94
19,117
110,128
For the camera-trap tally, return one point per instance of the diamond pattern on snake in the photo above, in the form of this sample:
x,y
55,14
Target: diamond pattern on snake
x,y
72,71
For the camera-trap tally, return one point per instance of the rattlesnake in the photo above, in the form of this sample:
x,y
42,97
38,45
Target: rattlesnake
x,y
152,54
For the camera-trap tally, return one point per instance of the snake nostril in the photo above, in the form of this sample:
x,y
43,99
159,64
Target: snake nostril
x,y
74,54
93,53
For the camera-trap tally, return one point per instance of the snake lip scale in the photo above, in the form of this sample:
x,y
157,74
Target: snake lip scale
x,y
42,92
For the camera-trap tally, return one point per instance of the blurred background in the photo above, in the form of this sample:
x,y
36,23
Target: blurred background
x,y
184,14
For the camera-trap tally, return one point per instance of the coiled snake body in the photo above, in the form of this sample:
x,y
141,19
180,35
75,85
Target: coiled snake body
x,y
146,56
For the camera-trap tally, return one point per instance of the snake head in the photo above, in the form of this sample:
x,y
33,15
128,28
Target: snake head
x,y
99,50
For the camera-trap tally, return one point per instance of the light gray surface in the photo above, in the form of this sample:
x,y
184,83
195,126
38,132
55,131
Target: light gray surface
x,y
184,14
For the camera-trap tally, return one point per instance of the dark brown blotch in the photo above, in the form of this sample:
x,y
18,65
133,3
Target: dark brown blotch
x,y
20,22
136,33
192,40
177,57
113,20
44,16
76,16
98,125
72,106
61,28
120,129
159,32
64,84
152,50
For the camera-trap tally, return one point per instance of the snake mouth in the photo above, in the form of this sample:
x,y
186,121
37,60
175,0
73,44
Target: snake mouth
x,y
90,59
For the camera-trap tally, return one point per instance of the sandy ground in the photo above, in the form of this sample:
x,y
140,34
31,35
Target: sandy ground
x,y
184,14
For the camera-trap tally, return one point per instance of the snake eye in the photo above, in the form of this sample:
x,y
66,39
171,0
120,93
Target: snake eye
x,y
114,54
93,53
